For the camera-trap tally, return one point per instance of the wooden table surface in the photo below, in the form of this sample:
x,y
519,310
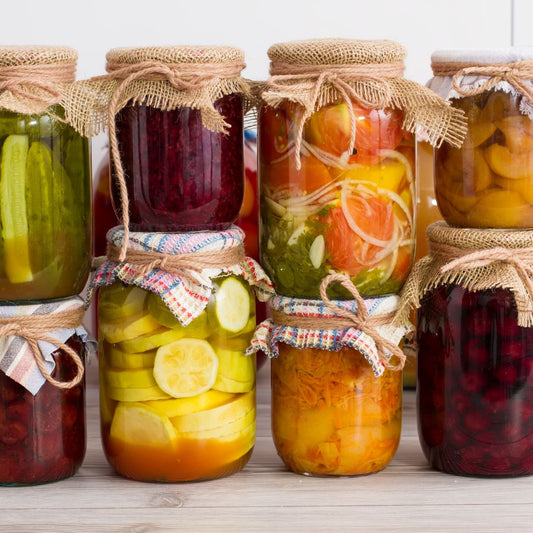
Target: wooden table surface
x,y
406,497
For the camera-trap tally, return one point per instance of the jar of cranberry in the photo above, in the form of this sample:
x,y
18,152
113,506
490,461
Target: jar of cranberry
x,y
42,416
179,131
475,353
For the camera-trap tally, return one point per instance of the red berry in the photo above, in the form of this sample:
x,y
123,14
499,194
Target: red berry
x,y
479,322
476,352
512,350
472,381
460,401
19,410
475,421
506,374
12,433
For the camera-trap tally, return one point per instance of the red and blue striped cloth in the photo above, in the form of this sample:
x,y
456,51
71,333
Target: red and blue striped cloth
x,y
268,335
186,296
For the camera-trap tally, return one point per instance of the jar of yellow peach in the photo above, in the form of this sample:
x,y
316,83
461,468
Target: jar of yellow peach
x,y
488,182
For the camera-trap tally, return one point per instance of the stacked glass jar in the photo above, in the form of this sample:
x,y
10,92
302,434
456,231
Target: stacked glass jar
x,y
475,382
45,210
176,304
337,185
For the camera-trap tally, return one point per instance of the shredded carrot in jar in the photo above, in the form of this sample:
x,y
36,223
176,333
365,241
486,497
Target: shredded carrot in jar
x,y
330,414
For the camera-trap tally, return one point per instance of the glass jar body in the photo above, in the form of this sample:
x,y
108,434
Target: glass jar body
x,y
43,437
45,208
351,214
488,182
177,402
181,176
474,383
330,415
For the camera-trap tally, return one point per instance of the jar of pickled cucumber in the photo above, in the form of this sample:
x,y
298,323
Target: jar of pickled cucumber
x,y
177,136
488,182
177,392
336,399
45,179
337,164
474,333
42,412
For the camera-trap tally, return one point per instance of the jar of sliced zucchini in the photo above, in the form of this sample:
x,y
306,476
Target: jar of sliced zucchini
x,y
177,391
45,180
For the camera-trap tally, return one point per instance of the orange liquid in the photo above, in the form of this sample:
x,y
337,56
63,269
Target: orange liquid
x,y
189,460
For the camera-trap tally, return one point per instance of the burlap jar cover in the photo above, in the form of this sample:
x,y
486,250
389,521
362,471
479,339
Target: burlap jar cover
x,y
180,267
34,79
30,333
465,73
361,324
476,260
314,73
165,78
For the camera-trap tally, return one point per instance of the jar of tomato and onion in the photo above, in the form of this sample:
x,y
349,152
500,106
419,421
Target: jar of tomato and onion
x,y
184,169
488,182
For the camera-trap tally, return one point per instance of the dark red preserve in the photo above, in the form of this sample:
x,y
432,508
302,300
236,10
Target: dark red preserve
x,y
475,383
180,175
43,437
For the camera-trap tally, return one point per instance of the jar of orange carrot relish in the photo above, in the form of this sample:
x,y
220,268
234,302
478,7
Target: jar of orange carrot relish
x,y
336,397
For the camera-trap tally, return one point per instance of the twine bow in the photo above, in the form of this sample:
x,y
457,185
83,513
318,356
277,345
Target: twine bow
x,y
363,322
35,328
520,259
38,83
365,84
516,74
183,77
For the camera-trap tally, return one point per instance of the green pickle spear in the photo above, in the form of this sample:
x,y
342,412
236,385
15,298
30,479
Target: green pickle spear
x,y
13,209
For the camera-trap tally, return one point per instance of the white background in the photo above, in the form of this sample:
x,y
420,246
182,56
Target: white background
x,y
422,26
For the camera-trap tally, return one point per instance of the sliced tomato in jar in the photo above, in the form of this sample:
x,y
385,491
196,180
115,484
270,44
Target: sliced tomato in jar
x,y
357,234
273,138
329,129
312,175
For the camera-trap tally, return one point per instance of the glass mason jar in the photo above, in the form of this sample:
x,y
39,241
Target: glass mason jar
x,y
488,182
343,213
180,175
475,383
43,436
45,207
331,415
177,402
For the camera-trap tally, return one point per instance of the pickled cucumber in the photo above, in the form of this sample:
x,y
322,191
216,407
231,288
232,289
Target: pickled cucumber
x,y
13,209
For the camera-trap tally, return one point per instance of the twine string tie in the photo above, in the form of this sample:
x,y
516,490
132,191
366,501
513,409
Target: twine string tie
x,y
362,321
35,328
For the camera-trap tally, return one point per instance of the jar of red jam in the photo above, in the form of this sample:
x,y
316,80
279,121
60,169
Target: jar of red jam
x,y
42,423
336,401
488,181
337,165
474,336
179,130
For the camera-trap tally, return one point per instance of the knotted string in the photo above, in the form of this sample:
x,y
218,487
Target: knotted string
x,y
350,81
180,265
35,328
22,80
183,77
344,319
516,73
520,259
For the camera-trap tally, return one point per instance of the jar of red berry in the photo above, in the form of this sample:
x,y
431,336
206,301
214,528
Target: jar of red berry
x,y
475,351
42,392
176,135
